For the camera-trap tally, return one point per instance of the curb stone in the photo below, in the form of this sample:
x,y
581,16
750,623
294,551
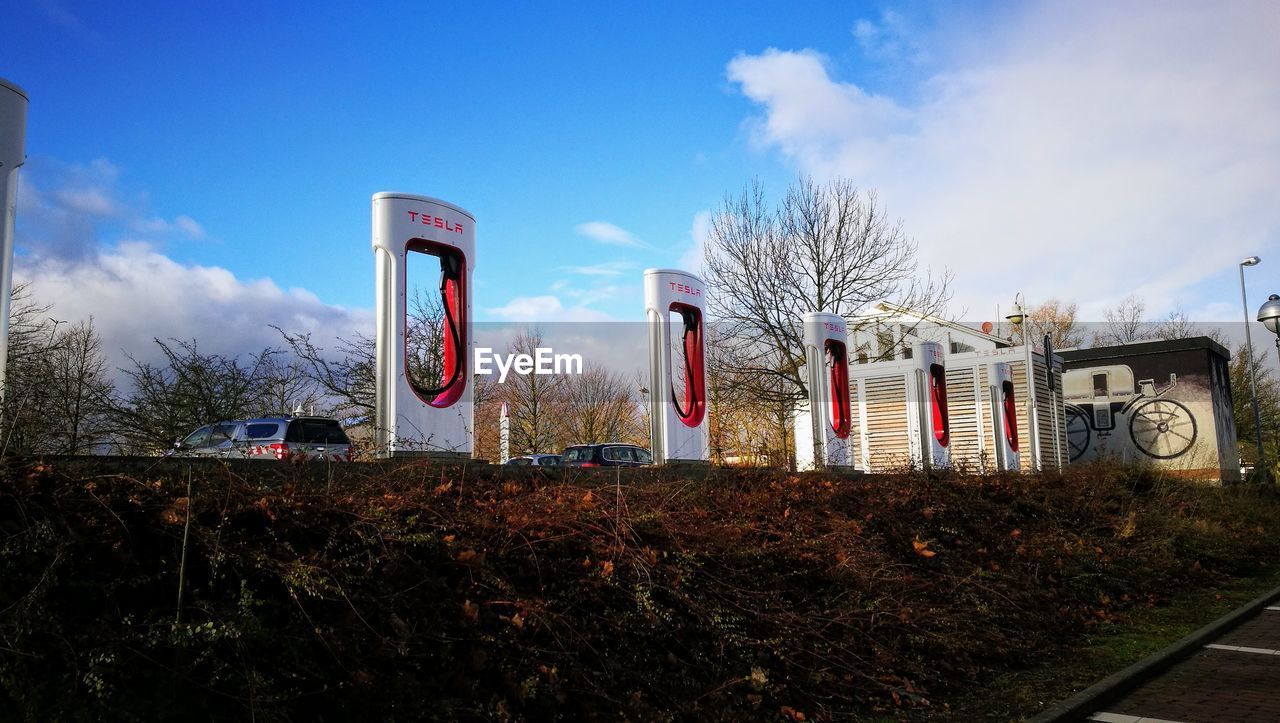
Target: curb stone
x,y
1089,701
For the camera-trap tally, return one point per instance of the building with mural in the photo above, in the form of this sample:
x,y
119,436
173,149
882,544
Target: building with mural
x,y
1163,402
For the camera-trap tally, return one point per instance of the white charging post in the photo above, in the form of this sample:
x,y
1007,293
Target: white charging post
x,y
1004,416
931,422
417,416
678,419
13,142
826,341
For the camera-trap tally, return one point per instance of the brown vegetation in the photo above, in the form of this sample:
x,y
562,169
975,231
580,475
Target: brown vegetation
x,y
412,592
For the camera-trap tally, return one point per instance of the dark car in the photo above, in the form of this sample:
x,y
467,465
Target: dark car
x,y
613,454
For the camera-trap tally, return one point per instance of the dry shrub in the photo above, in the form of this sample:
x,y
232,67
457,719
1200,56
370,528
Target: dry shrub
x,y
414,593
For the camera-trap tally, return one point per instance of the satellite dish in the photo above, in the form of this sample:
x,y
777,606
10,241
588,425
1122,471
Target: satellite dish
x,y
987,327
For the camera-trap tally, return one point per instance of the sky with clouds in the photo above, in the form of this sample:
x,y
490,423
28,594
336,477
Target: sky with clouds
x,y
207,172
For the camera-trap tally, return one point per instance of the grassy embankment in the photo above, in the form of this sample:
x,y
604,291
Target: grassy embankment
x,y
416,592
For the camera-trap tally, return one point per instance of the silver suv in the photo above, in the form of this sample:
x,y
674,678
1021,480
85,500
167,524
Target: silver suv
x,y
317,438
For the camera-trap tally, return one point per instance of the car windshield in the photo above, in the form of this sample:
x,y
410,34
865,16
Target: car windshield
x,y
221,433
643,456
198,438
576,454
316,431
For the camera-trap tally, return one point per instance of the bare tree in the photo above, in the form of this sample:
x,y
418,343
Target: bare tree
x,y
1176,325
59,396
747,427
536,401
190,389
487,398
1124,323
599,406
1055,318
27,410
345,375
81,393
289,386
827,247
426,333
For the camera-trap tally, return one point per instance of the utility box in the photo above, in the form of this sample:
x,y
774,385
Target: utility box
x,y
1167,403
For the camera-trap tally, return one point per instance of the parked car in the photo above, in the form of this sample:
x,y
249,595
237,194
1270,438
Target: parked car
x,y
613,454
318,438
535,460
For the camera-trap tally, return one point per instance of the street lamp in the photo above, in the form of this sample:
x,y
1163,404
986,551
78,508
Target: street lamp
x,y
1016,317
1253,380
1269,315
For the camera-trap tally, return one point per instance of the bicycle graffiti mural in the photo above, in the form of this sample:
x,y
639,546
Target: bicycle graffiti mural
x,y
1166,402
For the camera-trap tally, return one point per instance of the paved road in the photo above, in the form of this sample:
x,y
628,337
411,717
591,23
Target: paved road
x,y
1235,678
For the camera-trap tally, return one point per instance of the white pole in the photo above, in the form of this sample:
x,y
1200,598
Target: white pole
x,y
13,136
504,435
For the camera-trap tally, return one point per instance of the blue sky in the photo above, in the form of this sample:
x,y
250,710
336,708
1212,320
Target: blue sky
x,y
225,154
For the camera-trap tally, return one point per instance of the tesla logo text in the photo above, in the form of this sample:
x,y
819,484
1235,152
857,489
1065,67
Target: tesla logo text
x,y
427,219
838,328
685,289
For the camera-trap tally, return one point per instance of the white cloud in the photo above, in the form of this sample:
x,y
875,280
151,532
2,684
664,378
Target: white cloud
x,y
87,201
189,226
80,252
604,268
545,308
692,259
68,211
609,234
136,294
890,40
183,225
1090,151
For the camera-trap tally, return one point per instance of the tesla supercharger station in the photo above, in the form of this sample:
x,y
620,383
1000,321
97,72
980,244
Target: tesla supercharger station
x,y
423,417
13,134
1004,416
678,418
826,342
930,424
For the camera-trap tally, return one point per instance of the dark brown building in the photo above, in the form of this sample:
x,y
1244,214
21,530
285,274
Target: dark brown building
x,y
1165,402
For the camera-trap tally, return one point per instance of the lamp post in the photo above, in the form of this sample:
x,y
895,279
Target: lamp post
x,y
1269,315
1016,317
1261,464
